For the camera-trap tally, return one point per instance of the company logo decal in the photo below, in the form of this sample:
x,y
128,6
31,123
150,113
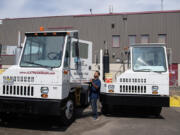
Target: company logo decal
x,y
38,72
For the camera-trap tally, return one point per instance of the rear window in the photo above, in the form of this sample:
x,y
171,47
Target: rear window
x,y
83,50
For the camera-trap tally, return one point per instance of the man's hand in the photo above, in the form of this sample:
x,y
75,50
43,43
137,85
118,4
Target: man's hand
x,y
94,84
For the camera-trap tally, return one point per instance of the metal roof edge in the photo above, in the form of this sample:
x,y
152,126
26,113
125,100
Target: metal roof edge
x,y
100,14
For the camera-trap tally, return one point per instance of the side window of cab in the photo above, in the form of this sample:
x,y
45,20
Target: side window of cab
x,y
67,54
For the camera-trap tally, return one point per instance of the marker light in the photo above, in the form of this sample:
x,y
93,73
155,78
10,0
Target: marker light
x,y
65,72
111,91
44,95
41,28
54,33
68,33
155,92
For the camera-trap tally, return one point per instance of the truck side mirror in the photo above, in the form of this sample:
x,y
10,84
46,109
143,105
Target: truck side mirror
x,y
128,58
77,54
97,60
77,49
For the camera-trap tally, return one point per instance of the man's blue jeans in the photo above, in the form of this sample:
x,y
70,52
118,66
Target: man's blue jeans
x,y
94,107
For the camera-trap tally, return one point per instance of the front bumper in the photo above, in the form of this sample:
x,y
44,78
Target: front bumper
x,y
134,100
31,105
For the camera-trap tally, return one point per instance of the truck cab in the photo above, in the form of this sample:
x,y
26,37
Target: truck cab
x,y
144,84
52,66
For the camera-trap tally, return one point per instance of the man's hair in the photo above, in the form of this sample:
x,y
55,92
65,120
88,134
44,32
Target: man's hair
x,y
98,72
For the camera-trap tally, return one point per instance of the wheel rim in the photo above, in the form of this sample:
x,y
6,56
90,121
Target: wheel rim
x,y
69,109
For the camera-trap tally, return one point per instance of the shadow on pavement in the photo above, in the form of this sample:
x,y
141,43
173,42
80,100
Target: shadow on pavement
x,y
84,112
43,123
37,122
133,112
81,114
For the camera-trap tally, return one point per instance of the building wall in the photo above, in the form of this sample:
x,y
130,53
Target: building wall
x,y
98,29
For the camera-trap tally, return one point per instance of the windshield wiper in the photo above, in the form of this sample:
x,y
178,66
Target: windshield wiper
x,y
29,62
158,71
148,70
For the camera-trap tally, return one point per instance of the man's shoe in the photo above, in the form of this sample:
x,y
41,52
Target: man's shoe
x,y
96,118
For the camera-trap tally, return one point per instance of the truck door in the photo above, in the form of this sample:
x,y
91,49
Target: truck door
x,y
81,66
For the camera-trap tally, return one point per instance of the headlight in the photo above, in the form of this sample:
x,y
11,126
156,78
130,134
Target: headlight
x,y
44,90
155,88
111,87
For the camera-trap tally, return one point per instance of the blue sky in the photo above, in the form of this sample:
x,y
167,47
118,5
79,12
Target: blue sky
x,y
31,8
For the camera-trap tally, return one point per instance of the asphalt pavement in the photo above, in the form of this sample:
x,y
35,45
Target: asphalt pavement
x,y
122,122
117,124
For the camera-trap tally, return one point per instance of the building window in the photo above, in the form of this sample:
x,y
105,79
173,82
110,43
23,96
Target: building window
x,y
145,38
112,25
161,38
116,41
132,39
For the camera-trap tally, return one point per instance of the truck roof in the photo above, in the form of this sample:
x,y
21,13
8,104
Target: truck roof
x,y
65,31
72,33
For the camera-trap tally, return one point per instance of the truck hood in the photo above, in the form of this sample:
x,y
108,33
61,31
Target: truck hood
x,y
145,77
19,75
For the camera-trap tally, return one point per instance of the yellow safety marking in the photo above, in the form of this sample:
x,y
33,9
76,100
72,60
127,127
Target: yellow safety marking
x,y
77,96
174,101
1,71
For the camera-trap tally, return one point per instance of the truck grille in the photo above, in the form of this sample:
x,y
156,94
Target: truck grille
x,y
133,80
133,89
18,90
19,78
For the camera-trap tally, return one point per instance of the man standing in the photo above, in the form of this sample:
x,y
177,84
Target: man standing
x,y
94,93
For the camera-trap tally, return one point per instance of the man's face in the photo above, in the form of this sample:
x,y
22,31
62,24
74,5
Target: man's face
x,y
96,75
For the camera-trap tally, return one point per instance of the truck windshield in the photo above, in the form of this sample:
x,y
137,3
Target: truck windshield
x,y
147,59
43,51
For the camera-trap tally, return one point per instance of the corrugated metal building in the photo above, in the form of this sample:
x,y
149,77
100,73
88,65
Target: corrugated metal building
x,y
113,30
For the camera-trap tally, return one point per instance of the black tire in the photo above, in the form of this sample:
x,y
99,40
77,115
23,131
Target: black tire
x,y
156,111
68,114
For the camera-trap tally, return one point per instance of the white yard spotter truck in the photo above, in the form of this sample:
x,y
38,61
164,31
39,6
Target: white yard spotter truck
x,y
144,84
50,77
